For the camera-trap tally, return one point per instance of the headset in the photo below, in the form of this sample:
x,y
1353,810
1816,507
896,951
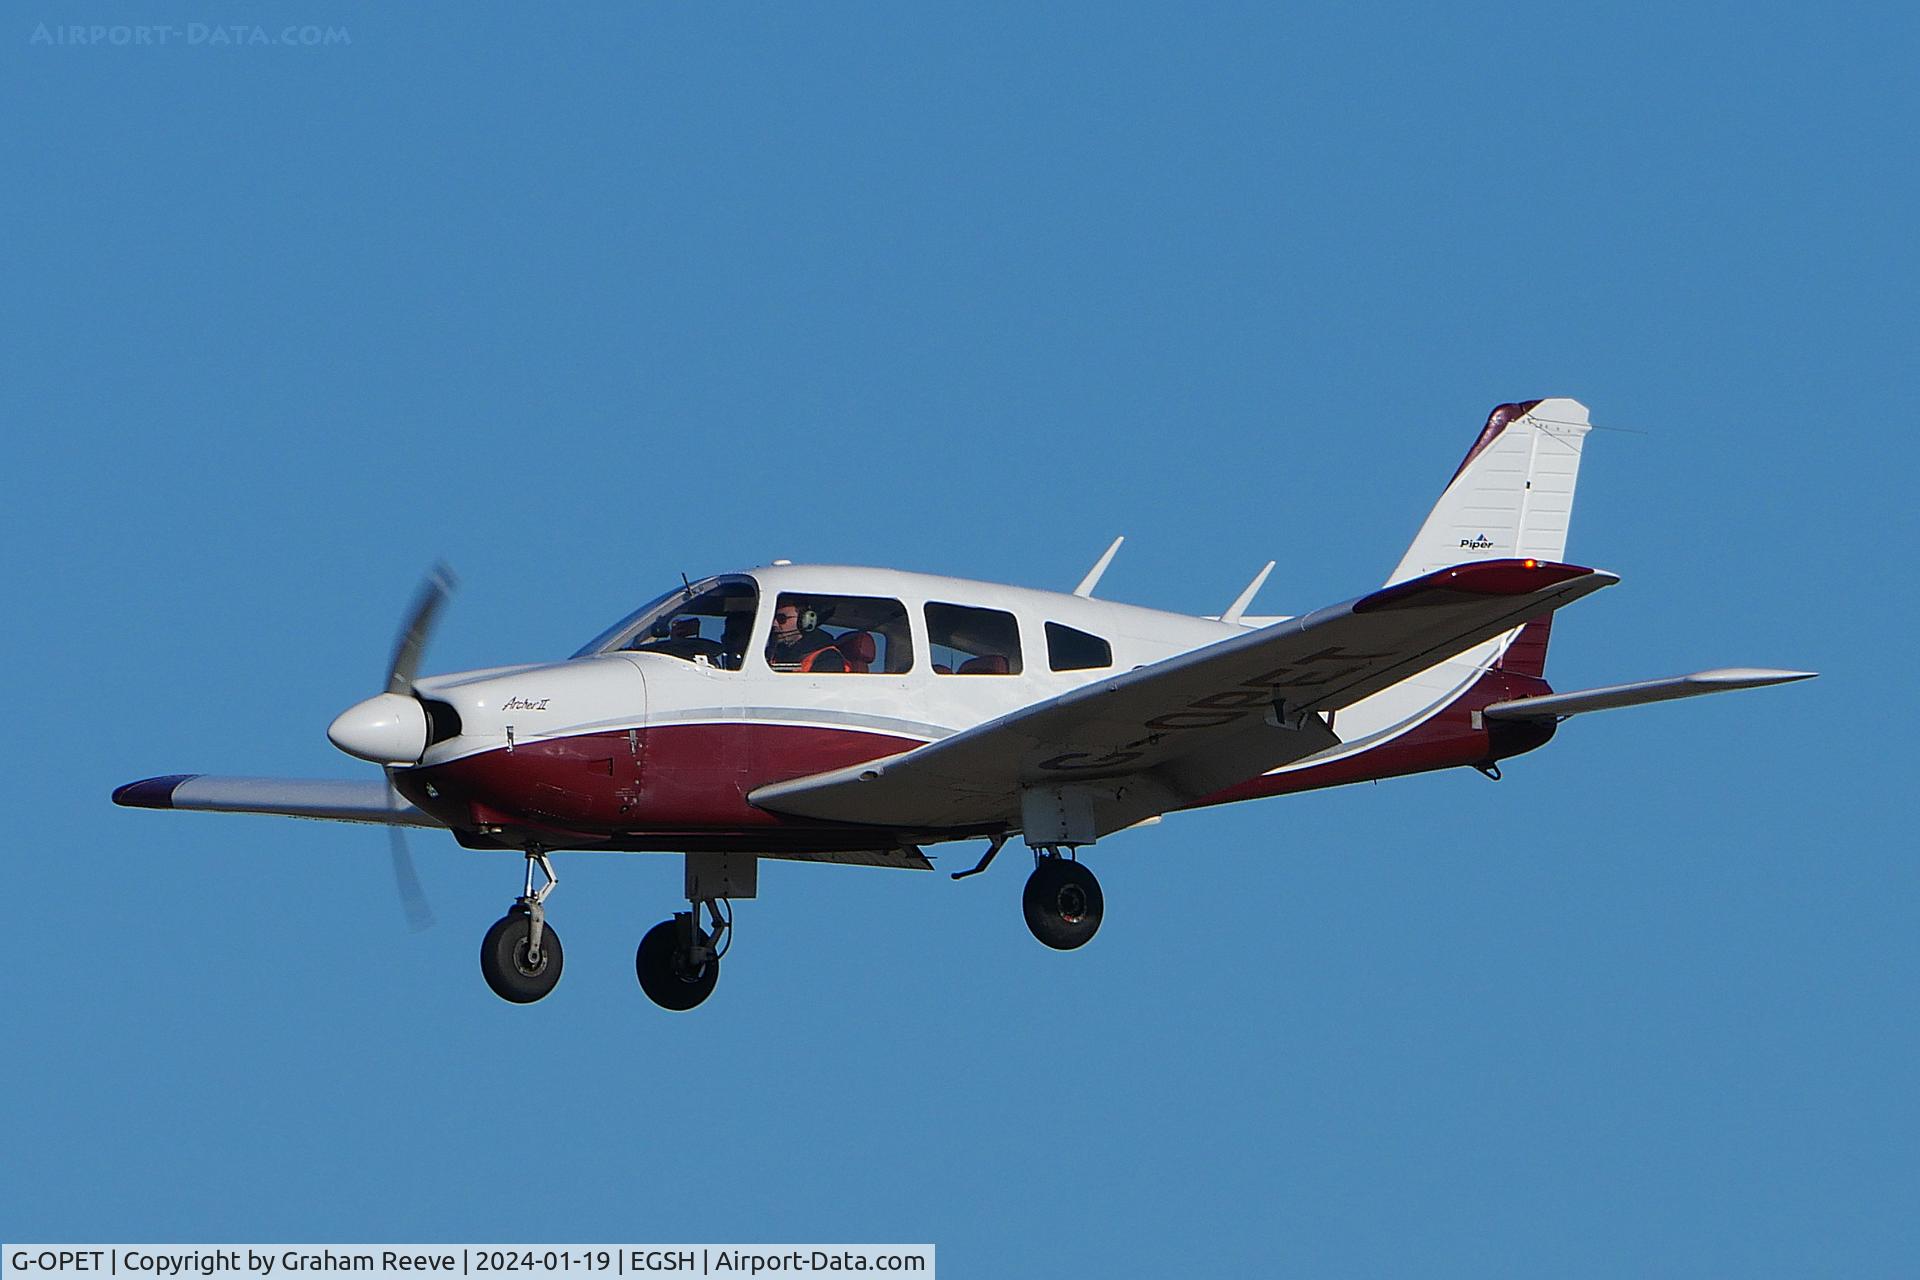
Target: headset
x,y
809,616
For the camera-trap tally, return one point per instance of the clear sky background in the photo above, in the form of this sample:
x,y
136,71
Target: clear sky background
x,y
582,297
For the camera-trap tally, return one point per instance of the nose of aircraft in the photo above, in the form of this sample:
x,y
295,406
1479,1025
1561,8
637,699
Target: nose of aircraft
x,y
389,728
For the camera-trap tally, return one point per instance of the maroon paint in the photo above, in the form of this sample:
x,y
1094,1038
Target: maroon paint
x,y
1487,578
667,778
1496,423
1527,655
684,787
151,793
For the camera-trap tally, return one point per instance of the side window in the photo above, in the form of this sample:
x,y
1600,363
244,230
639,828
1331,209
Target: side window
x,y
1070,650
839,635
973,642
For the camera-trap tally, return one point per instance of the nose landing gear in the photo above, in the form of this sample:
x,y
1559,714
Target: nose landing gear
x,y
1062,902
520,957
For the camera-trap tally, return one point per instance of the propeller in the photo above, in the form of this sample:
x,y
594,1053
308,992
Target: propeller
x,y
432,596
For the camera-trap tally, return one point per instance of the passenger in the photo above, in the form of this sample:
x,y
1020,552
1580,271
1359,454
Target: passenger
x,y
796,639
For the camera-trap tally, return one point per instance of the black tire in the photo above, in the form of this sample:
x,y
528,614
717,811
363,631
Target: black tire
x,y
664,974
503,959
1063,904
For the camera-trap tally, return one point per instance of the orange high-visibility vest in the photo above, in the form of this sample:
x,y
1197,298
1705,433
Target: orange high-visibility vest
x,y
806,663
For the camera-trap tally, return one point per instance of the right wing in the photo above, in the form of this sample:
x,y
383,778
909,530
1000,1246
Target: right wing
x,y
1147,741
337,801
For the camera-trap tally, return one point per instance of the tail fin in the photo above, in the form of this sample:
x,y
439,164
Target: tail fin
x,y
1526,654
1511,497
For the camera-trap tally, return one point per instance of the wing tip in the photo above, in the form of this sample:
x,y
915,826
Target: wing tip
x,y
151,793
1750,677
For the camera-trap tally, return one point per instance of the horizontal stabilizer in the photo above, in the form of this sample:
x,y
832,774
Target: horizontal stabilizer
x,y
324,798
1554,706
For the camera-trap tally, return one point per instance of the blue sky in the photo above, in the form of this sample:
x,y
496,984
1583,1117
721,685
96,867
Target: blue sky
x,y
584,299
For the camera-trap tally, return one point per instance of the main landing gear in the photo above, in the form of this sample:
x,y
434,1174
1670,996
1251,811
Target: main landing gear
x,y
678,962
521,957
1062,902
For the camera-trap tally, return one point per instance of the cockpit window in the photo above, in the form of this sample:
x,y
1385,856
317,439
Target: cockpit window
x,y
706,622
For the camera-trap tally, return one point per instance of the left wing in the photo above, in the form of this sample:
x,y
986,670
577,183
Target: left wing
x,y
1125,748
325,798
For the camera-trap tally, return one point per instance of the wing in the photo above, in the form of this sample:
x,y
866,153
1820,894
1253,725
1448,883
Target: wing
x,y
1141,743
336,801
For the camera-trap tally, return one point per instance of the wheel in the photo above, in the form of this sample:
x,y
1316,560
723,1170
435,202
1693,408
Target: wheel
x,y
503,959
1062,903
664,973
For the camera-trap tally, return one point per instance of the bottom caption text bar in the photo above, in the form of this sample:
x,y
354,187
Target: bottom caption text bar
x,y
419,1261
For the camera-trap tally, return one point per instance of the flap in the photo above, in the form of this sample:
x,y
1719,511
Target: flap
x,y
907,858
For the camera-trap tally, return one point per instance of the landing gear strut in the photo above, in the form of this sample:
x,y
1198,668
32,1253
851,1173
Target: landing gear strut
x,y
521,957
1062,901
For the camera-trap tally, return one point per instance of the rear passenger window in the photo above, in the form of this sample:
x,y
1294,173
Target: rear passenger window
x,y
1070,650
973,642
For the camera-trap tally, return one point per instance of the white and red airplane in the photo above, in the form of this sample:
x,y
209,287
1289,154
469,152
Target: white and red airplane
x,y
823,713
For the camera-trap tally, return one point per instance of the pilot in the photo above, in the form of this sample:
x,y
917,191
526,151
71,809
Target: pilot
x,y
797,643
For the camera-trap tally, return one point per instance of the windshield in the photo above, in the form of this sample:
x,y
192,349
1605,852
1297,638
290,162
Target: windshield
x,y
708,620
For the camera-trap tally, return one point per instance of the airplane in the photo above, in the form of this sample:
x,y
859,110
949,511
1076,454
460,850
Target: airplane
x,y
836,714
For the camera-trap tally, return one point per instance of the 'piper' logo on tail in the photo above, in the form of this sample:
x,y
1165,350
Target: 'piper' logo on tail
x,y
1480,543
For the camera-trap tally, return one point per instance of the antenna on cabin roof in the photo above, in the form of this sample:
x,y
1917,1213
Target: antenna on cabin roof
x,y
1245,598
1092,580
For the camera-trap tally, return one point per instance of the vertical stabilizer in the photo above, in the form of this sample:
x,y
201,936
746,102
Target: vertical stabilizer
x,y
1511,497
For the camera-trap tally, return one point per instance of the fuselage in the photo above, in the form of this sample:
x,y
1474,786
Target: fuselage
x,y
654,736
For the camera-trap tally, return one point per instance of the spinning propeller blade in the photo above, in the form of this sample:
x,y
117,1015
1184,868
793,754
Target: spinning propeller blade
x,y
427,601
407,650
413,898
